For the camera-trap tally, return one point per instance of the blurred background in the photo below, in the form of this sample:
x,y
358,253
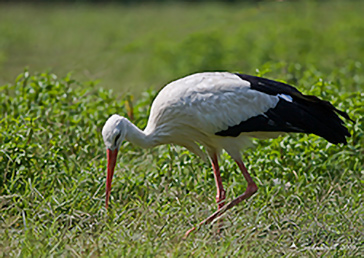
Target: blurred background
x,y
131,46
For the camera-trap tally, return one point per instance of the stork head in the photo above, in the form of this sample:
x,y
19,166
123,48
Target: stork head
x,y
113,133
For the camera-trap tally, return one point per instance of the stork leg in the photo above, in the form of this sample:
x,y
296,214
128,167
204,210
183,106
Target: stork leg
x,y
220,196
221,193
250,190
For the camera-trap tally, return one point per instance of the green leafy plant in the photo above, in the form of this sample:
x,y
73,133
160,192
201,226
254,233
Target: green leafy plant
x,y
52,163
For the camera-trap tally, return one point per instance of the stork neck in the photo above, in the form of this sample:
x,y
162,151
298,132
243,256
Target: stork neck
x,y
138,137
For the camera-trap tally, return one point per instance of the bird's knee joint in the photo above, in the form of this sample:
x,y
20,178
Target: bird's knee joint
x,y
252,189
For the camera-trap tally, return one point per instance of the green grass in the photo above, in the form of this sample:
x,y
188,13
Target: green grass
x,y
53,164
310,198
131,48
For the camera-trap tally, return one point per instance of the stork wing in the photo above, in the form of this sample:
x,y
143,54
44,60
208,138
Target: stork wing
x,y
294,112
226,106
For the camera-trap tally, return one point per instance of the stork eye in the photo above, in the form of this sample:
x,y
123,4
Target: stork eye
x,y
117,138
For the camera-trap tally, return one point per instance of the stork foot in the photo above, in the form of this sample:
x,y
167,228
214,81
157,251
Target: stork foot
x,y
220,198
251,189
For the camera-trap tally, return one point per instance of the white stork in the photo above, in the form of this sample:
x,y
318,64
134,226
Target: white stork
x,y
221,111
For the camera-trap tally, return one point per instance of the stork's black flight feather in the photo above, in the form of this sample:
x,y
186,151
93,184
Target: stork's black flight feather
x,y
299,113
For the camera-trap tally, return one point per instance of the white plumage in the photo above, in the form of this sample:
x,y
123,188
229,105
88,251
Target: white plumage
x,y
194,108
221,110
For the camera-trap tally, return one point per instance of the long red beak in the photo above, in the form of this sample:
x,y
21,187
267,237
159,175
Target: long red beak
x,y
111,161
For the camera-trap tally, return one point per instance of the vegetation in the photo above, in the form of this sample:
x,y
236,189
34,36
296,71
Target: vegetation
x,y
52,187
310,198
130,49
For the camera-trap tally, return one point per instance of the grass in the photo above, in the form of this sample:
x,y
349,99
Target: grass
x,y
310,197
131,48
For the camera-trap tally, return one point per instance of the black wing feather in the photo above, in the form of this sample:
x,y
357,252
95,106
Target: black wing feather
x,y
305,113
